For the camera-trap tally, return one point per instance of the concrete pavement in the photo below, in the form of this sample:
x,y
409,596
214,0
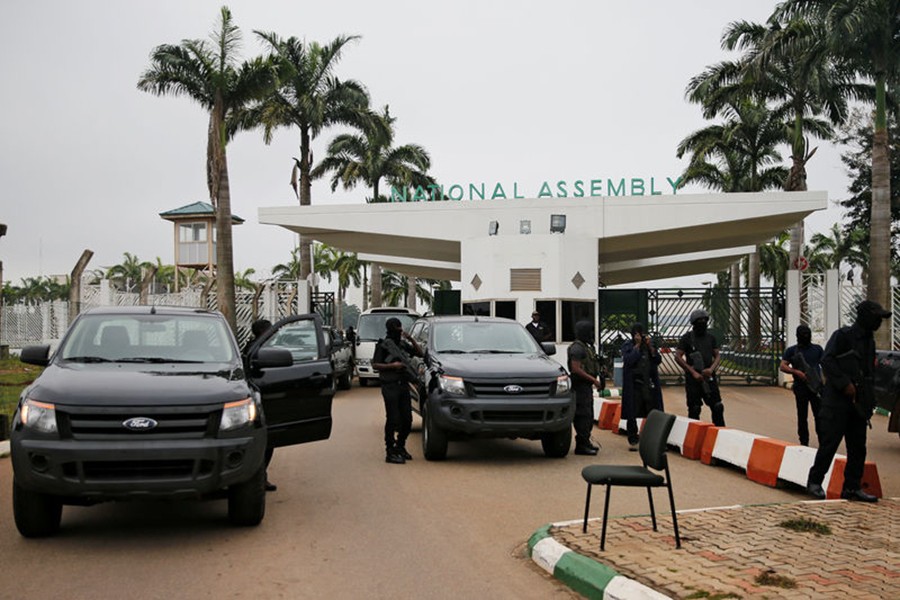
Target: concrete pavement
x,y
741,551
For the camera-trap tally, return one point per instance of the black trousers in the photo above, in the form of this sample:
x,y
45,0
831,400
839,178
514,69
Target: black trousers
x,y
839,420
693,389
397,413
584,415
636,405
806,399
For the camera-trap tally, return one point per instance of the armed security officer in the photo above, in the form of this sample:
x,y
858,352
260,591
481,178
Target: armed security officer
x,y
538,329
848,401
803,361
700,385
584,366
641,391
391,360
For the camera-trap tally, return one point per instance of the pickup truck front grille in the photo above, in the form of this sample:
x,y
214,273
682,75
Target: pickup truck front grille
x,y
107,423
140,469
511,416
507,389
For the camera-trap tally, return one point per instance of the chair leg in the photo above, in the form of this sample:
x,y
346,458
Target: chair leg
x,y
605,513
672,505
652,510
587,504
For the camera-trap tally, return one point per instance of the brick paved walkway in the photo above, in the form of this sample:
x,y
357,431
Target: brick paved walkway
x,y
724,550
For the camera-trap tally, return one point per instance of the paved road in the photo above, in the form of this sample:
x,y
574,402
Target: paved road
x,y
345,524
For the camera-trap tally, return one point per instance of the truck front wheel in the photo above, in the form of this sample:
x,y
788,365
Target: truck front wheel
x,y
434,439
36,514
556,444
247,500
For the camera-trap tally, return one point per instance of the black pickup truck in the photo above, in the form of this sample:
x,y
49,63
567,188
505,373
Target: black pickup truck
x,y
152,402
488,377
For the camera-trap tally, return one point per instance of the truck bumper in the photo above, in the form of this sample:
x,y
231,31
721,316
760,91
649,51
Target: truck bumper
x,y
492,418
111,470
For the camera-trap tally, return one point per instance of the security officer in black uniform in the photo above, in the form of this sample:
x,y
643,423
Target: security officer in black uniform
x,y
700,383
394,375
584,366
847,401
803,360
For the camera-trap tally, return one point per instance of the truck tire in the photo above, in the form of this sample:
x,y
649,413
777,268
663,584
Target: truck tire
x,y
556,444
434,439
344,382
247,500
36,514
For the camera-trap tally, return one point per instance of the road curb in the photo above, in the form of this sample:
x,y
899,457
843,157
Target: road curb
x,y
584,575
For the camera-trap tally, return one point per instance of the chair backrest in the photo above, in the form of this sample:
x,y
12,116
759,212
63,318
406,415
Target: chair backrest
x,y
114,341
654,437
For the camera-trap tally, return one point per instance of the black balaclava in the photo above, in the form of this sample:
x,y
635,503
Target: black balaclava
x,y
804,336
637,328
869,315
584,332
394,327
699,321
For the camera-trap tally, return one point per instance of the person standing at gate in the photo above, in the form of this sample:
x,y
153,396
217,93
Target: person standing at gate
x,y
392,361
641,391
848,401
584,367
538,329
698,354
803,361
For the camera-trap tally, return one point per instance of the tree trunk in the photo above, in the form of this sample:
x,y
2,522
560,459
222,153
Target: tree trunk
x,y
305,198
365,290
735,302
220,196
376,285
753,321
879,271
411,292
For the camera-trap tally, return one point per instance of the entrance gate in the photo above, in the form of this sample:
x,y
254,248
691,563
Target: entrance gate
x,y
747,322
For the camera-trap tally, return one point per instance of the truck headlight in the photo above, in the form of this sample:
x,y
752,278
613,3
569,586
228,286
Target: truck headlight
x,y
237,414
562,385
40,416
455,386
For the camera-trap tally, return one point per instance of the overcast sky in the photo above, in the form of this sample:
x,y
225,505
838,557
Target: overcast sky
x,y
497,92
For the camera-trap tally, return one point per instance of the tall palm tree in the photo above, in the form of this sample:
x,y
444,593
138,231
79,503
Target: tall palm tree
x,y
242,279
348,268
836,248
865,35
369,157
290,269
786,62
310,98
208,72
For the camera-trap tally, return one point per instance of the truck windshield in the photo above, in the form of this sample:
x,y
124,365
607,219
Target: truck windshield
x,y
372,326
151,338
483,337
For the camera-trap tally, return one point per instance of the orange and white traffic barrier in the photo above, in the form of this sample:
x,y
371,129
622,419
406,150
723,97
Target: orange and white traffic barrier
x,y
730,446
687,435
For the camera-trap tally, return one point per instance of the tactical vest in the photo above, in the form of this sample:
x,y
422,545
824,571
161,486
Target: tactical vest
x,y
591,363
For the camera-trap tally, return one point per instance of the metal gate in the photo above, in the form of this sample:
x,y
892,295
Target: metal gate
x,y
747,322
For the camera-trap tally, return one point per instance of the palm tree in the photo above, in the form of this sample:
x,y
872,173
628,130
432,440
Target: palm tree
x,y
368,158
786,62
310,98
865,36
291,269
242,280
835,248
348,268
209,74
129,273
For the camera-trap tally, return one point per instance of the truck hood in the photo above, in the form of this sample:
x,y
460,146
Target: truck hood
x,y
119,384
499,366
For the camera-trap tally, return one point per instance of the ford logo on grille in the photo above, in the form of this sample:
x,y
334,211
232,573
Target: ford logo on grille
x,y
513,389
139,424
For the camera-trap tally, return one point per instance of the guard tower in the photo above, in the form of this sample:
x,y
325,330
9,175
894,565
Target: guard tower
x,y
195,237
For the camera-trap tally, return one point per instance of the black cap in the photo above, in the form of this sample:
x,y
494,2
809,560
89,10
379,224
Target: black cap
x,y
637,328
393,323
870,307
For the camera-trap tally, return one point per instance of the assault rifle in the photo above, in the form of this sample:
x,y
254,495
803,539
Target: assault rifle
x,y
698,365
813,380
850,363
396,353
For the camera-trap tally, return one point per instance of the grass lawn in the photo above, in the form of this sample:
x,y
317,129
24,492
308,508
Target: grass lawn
x,y
14,375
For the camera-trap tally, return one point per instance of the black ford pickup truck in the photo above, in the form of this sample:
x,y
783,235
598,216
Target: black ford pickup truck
x,y
144,402
488,377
